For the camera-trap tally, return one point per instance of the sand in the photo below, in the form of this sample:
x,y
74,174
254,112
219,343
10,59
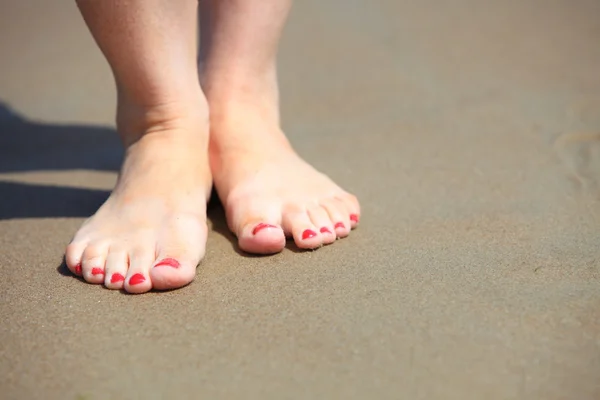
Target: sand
x,y
470,132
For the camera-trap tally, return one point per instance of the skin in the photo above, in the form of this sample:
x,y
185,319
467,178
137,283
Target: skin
x,y
151,232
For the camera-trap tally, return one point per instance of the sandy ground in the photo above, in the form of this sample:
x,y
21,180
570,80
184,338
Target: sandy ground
x,y
469,129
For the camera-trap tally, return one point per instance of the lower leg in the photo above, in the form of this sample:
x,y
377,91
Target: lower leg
x,y
151,48
239,40
155,216
268,191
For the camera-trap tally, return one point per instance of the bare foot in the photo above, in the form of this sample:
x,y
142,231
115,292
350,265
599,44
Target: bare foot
x,y
151,232
268,191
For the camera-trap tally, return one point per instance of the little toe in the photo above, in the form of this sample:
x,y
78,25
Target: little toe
x,y
305,234
137,279
320,219
73,256
339,215
261,235
116,269
353,208
93,261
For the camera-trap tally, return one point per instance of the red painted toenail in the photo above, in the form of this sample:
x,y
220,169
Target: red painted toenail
x,y
78,269
97,271
117,278
261,226
168,262
325,230
137,279
353,217
307,234
340,225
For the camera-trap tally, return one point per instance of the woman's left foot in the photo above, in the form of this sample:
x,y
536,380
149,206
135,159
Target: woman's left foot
x,y
268,191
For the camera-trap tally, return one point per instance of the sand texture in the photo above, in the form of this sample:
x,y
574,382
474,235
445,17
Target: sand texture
x,y
470,131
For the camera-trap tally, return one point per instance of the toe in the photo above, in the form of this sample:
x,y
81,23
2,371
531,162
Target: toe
x,y
320,219
137,279
257,224
339,215
73,256
93,261
353,208
180,249
116,268
261,235
172,271
306,235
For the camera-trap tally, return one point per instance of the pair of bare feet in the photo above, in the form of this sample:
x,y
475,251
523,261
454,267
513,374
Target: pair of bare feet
x,y
151,232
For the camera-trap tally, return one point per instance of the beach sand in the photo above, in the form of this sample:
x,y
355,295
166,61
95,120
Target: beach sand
x,y
469,130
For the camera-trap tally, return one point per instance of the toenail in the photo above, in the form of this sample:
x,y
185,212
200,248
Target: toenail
x,y
117,278
353,217
340,225
78,269
97,271
137,279
261,226
325,230
169,262
307,234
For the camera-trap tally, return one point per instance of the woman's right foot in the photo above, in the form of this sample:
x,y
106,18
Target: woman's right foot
x,y
151,232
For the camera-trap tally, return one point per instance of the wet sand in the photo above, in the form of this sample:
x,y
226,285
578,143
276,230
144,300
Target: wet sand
x,y
471,134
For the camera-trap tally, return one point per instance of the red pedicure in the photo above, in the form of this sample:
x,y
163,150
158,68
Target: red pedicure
x,y
78,269
353,217
261,226
340,225
307,234
117,278
137,279
97,271
325,230
169,262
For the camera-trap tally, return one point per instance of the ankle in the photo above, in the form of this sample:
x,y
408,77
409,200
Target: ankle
x,y
135,120
240,128
230,91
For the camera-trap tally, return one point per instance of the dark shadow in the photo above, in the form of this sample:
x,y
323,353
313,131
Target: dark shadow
x,y
30,146
291,246
64,270
19,200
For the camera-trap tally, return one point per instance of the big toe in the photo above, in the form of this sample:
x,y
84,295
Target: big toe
x,y
173,271
261,236
180,252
